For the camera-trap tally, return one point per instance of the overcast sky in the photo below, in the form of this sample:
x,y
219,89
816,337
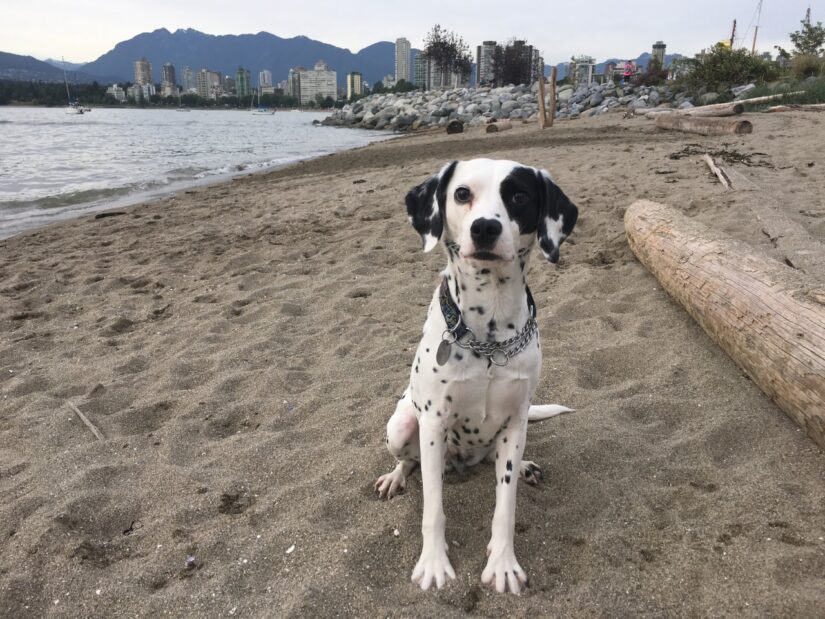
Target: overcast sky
x,y
83,30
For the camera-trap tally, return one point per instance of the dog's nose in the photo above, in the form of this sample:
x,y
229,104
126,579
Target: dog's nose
x,y
485,232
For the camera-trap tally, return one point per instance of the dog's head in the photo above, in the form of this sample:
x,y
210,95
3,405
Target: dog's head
x,y
492,210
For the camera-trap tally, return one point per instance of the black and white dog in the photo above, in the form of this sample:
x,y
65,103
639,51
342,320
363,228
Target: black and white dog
x,y
477,366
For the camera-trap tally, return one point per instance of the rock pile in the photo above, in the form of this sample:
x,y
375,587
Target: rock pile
x,y
476,106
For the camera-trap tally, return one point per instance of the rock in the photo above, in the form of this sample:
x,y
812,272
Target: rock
x,y
738,91
708,98
685,105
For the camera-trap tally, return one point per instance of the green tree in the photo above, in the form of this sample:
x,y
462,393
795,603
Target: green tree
x,y
808,41
510,65
449,52
725,66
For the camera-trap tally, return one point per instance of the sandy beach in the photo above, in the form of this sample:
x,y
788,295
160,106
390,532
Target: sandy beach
x,y
241,347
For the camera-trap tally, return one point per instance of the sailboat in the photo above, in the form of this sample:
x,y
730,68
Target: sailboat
x,y
71,108
260,109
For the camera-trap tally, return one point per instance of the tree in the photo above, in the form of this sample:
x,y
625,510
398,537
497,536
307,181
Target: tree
x,y
510,66
725,66
809,41
450,54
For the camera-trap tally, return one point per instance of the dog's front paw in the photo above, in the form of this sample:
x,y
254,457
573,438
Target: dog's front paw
x,y
503,571
433,567
394,482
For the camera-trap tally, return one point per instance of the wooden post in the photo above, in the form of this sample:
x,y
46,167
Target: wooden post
x,y
703,126
769,318
552,96
542,111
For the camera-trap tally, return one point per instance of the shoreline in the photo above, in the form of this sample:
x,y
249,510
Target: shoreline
x,y
35,216
241,355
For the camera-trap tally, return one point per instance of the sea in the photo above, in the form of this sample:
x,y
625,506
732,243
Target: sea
x,y
56,166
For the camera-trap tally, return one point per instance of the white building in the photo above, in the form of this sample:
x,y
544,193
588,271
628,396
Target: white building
x,y
265,78
143,71
402,59
355,85
117,92
320,81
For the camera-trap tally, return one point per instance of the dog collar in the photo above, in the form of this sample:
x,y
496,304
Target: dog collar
x,y
498,353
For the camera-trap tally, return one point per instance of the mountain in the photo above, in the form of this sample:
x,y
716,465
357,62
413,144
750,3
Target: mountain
x,y
225,53
70,66
15,67
642,60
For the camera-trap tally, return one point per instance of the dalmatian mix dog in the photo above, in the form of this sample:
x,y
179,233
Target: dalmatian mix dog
x,y
477,366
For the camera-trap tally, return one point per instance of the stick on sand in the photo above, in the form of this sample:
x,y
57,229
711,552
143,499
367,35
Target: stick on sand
x,y
88,423
719,172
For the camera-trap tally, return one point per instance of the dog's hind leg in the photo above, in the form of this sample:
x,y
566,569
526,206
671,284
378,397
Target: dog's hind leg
x,y
402,442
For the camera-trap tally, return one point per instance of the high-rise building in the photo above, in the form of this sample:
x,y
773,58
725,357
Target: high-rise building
x,y
658,55
402,59
189,81
355,84
294,82
243,86
203,83
484,63
320,81
143,72
169,84
420,77
265,78
210,84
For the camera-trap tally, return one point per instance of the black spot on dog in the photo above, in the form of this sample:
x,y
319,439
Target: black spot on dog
x,y
509,465
484,271
510,325
507,479
449,398
459,356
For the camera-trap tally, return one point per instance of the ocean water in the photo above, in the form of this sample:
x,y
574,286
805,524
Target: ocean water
x,y
56,166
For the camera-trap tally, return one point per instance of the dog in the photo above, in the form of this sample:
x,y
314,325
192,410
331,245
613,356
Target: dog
x,y
477,366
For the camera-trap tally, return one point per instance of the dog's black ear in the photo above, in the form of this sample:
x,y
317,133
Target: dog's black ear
x,y
557,216
426,204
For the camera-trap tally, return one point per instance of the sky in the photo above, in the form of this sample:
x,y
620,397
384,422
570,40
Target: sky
x,y
83,30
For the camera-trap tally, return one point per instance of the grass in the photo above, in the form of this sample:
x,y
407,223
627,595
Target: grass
x,y
814,92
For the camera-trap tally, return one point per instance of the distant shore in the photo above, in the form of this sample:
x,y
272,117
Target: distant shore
x,y
240,348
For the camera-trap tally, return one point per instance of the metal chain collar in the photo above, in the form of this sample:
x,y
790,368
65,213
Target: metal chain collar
x,y
457,332
498,353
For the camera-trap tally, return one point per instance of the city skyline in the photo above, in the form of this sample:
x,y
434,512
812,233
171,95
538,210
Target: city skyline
x,y
559,31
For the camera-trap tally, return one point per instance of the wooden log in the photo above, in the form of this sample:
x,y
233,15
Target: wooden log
x,y
542,111
768,318
552,106
764,99
703,126
455,126
730,109
802,107
501,125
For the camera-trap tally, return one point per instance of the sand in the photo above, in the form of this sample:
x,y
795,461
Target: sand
x,y
241,347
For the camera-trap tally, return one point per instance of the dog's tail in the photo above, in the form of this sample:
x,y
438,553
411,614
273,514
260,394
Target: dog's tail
x,y
538,412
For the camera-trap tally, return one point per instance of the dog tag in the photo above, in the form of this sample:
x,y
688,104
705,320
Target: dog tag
x,y
442,355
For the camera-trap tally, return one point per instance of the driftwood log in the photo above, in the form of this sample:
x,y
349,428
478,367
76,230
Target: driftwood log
x,y
767,317
755,100
455,126
703,126
728,109
501,125
803,107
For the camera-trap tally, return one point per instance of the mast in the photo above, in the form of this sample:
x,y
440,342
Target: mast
x,y
733,34
66,80
756,30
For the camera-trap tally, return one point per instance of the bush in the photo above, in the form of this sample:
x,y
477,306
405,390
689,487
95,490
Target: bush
x,y
812,92
726,66
804,66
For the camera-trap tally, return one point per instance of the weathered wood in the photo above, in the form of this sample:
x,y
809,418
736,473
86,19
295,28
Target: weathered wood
x,y
501,125
552,106
542,111
801,107
455,126
703,126
768,318
720,174
764,99
729,109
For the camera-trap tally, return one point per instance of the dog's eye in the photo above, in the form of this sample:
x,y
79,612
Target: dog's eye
x,y
462,195
520,198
